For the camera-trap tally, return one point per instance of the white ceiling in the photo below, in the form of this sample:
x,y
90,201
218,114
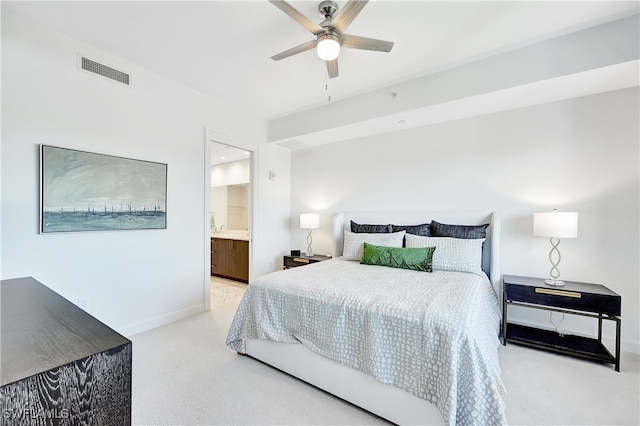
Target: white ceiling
x,y
223,48
221,153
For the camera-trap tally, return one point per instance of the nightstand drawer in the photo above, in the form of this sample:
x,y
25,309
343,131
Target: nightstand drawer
x,y
577,296
294,261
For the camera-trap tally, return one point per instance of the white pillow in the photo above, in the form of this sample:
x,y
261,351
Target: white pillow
x,y
452,254
354,242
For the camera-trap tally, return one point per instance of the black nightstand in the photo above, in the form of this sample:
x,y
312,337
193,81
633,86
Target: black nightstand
x,y
294,261
589,300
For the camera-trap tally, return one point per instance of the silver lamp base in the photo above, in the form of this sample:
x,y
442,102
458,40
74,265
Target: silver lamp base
x,y
309,252
554,272
554,283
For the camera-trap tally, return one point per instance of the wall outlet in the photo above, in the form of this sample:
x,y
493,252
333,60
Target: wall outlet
x,y
82,303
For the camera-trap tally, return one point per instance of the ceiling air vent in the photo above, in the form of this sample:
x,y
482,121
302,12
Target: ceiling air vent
x,y
104,71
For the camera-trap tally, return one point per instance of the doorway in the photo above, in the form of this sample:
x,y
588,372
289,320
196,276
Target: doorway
x,y
229,202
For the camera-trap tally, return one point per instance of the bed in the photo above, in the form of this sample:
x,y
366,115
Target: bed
x,y
410,346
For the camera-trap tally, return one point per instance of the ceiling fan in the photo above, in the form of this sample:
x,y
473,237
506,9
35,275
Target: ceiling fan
x,y
329,33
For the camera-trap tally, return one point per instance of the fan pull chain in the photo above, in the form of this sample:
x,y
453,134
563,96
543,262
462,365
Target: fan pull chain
x,y
326,87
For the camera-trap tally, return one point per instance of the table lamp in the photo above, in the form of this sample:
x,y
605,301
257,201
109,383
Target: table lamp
x,y
309,221
555,225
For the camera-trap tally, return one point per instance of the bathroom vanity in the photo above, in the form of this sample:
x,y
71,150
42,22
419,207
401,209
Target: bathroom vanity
x,y
230,256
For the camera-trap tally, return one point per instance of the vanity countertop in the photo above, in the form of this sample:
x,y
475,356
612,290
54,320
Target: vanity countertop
x,y
230,236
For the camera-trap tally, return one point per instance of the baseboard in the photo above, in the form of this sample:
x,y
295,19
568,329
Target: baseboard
x,y
142,326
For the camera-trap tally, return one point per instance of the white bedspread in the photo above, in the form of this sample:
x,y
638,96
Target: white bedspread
x,y
434,335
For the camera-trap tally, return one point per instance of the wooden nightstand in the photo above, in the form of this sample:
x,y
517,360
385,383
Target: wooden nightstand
x,y
294,261
589,300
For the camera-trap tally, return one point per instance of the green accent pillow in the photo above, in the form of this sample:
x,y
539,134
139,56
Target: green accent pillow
x,y
416,259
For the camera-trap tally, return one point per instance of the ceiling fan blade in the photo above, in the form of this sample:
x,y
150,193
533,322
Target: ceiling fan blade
x,y
332,68
297,16
364,43
295,50
347,14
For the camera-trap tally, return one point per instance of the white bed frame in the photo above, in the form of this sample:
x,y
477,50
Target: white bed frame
x,y
362,390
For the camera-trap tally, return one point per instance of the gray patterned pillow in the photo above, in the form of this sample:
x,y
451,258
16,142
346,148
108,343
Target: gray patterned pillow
x,y
354,242
370,229
452,254
424,229
458,231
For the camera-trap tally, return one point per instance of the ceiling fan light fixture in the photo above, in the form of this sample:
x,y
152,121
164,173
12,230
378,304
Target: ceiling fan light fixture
x,y
328,47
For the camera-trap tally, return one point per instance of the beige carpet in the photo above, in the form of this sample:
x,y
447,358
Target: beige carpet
x,y
183,374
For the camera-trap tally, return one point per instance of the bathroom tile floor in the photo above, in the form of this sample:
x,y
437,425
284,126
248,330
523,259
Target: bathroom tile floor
x,y
225,291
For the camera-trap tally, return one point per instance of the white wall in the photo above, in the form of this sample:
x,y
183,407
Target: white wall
x,y
219,205
231,173
272,194
575,155
223,175
131,280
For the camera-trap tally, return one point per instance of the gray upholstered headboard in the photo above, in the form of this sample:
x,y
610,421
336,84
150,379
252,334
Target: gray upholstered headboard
x,y
491,250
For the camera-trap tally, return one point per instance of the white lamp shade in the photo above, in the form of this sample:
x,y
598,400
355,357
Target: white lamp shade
x,y
309,221
555,224
328,47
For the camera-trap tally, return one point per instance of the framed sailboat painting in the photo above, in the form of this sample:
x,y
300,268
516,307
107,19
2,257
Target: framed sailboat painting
x,y
84,191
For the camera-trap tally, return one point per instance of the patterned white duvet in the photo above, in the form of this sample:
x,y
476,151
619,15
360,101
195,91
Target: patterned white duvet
x,y
434,335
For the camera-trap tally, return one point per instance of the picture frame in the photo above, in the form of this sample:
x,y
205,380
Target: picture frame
x,y
85,191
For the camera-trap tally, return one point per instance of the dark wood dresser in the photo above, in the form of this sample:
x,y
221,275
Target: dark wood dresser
x,y
60,365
